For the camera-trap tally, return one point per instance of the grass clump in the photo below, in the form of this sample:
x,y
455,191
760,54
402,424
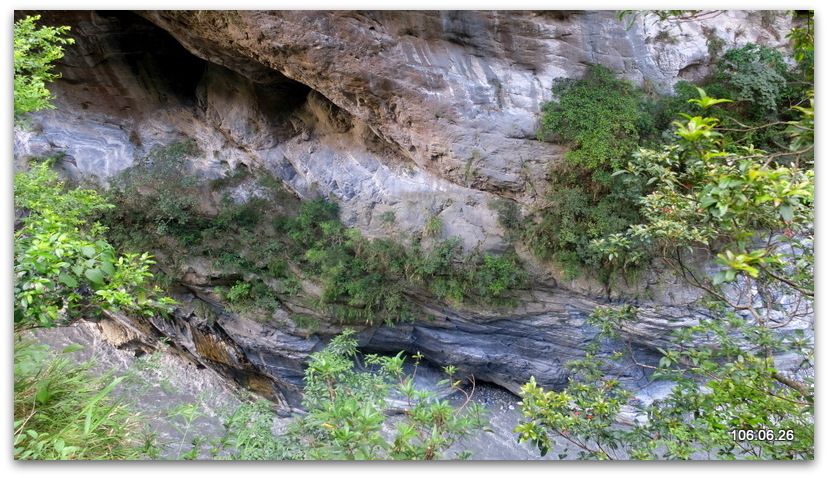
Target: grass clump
x,y
63,411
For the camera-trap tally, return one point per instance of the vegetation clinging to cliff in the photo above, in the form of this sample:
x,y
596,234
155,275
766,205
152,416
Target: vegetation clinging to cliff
x,y
598,114
603,118
754,210
267,244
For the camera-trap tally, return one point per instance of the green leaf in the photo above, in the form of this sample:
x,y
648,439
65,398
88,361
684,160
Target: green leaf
x,y
72,348
786,211
95,275
88,251
752,271
108,268
43,394
68,280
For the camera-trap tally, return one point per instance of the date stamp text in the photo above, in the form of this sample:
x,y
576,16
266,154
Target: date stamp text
x,y
761,434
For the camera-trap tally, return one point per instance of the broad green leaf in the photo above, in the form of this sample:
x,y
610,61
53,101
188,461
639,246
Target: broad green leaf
x,y
68,281
95,275
786,211
108,268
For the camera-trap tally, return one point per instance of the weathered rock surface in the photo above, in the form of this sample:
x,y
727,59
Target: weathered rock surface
x,y
417,113
452,90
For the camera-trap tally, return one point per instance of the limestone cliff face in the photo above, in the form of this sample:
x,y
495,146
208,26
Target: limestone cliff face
x,y
417,113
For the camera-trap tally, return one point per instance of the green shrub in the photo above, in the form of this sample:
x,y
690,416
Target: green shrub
x,y
765,91
240,291
598,114
656,125
386,254
497,275
754,74
305,228
440,259
433,226
63,270
388,217
582,206
358,294
239,216
347,415
157,195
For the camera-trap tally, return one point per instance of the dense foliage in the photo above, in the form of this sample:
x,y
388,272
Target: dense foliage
x,y
598,114
62,269
603,118
753,210
582,206
754,213
754,74
35,51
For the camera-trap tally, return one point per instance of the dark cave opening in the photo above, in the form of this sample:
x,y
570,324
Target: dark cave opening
x,y
122,62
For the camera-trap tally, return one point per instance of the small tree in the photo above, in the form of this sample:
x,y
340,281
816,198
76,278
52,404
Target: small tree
x,y
35,51
755,214
752,211
348,414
